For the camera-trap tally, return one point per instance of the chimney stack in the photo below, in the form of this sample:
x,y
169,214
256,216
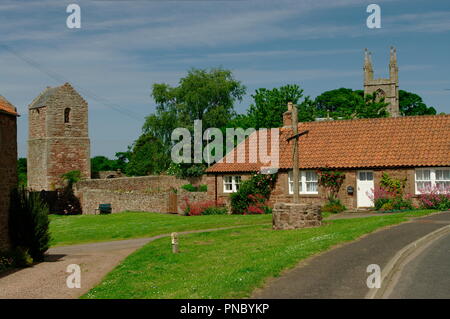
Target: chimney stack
x,y
287,116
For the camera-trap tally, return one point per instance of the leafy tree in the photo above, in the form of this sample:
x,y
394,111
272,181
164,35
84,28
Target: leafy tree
x,y
372,107
347,103
269,105
339,103
71,177
203,94
412,104
147,157
102,163
22,171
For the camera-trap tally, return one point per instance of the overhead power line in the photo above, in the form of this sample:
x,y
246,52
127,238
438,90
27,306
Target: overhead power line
x,y
84,91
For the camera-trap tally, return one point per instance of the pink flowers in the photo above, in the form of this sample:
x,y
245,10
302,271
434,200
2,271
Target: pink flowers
x,y
197,208
435,197
255,210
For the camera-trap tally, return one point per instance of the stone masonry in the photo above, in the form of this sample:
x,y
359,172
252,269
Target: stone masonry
x,y
145,193
8,167
387,88
58,137
293,216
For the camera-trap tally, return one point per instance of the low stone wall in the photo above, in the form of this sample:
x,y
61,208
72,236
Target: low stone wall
x,y
148,184
158,202
293,216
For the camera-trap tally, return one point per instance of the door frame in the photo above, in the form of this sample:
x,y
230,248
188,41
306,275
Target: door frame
x,y
358,192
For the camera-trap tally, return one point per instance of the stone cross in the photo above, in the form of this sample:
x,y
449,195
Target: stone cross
x,y
295,135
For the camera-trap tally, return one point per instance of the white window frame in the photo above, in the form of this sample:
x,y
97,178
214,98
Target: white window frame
x,y
303,183
432,179
234,181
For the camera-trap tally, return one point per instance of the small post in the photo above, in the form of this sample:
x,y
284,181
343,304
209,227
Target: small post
x,y
175,249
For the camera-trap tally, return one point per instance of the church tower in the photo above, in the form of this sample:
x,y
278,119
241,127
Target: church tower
x,y
58,139
387,88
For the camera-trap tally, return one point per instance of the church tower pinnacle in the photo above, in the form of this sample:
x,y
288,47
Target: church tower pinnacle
x,y
384,88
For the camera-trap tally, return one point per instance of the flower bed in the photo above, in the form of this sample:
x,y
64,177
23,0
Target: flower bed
x,y
207,207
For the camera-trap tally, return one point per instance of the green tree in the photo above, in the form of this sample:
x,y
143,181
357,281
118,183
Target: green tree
x,y
101,163
340,103
147,157
412,104
203,94
269,106
372,107
22,172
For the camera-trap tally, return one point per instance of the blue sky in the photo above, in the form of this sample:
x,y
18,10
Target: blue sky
x,y
123,47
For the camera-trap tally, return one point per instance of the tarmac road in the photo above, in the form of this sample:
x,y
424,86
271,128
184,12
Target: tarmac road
x,y
342,272
427,276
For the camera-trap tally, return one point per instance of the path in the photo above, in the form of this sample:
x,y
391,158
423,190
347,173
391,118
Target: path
x,y
341,272
47,280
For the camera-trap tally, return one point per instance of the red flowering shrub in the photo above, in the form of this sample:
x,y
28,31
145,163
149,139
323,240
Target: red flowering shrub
x,y
435,197
199,208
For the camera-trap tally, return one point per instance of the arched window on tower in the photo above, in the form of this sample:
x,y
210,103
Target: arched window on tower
x,y
67,115
380,94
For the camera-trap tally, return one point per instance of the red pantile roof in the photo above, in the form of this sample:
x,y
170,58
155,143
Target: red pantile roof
x,y
6,107
408,141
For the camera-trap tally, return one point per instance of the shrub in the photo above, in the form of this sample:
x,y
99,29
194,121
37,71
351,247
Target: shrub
x,y
192,188
208,207
252,192
16,257
331,181
381,196
334,206
214,210
29,223
435,198
392,185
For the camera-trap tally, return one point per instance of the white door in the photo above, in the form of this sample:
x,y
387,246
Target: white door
x,y
364,185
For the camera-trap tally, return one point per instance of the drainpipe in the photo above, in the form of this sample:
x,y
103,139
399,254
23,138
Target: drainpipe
x,y
215,188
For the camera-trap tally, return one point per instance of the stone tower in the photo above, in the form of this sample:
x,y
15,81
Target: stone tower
x,y
387,88
58,140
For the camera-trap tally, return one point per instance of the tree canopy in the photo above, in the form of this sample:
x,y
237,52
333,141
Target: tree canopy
x,y
210,95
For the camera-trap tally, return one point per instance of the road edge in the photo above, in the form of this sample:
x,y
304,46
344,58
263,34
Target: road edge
x,y
395,264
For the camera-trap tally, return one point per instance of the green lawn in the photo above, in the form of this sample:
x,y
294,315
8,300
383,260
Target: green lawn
x,y
66,230
228,263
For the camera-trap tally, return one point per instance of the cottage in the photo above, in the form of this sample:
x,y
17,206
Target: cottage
x,y
8,164
414,147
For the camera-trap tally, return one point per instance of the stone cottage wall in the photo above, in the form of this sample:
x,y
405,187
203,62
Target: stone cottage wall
x,y
8,172
280,193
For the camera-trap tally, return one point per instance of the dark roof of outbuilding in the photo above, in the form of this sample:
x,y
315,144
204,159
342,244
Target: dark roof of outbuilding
x,y
7,107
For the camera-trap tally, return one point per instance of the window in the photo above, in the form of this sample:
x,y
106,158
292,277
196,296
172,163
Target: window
x,y
443,178
428,178
365,176
67,115
231,184
307,182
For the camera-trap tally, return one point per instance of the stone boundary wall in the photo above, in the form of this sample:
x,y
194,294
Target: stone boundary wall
x,y
157,202
142,184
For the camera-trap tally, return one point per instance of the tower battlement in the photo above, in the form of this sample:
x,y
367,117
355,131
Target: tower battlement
x,y
387,88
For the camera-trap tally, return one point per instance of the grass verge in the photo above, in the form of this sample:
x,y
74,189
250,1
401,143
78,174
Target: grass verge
x,y
67,230
228,263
